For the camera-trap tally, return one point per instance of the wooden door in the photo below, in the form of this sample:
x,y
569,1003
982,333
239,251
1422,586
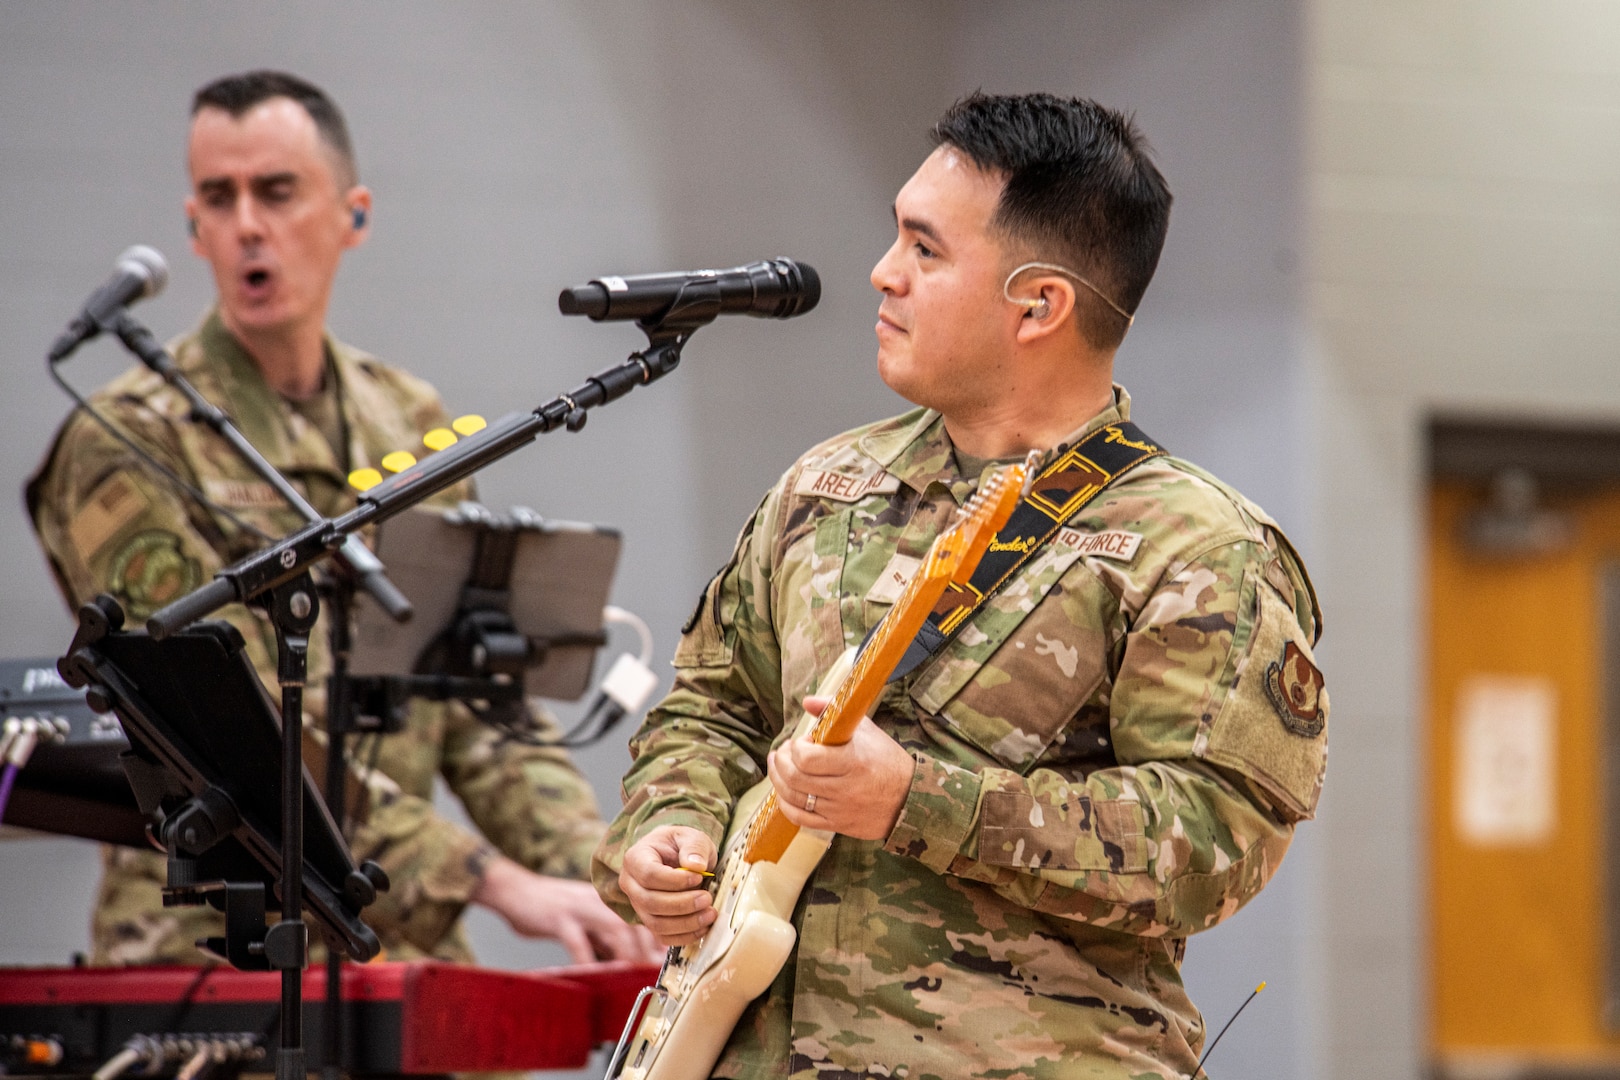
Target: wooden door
x,y
1519,921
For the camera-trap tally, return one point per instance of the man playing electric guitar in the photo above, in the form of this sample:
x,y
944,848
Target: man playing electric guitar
x,y
1102,754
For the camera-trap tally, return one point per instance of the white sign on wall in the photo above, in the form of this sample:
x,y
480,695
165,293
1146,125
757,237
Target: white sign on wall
x,y
1506,739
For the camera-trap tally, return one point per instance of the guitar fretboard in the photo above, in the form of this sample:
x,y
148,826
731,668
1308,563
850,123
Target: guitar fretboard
x,y
770,832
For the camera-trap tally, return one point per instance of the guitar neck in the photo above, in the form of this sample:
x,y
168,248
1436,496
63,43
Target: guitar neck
x,y
863,686
954,554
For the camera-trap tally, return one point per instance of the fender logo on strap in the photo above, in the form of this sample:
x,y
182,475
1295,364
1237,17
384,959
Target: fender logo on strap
x,y
1067,485
1062,489
1117,435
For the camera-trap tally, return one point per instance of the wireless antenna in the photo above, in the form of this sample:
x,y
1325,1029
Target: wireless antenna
x,y
1211,1047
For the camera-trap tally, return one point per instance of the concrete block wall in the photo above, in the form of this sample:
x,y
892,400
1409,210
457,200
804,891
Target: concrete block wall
x,y
1463,204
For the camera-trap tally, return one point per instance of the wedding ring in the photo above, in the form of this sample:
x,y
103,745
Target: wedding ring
x,y
809,804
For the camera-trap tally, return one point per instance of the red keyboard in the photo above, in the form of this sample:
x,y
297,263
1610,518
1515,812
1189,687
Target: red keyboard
x,y
416,1017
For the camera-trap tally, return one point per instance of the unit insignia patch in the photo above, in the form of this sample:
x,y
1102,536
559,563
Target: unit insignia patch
x,y
1294,687
150,571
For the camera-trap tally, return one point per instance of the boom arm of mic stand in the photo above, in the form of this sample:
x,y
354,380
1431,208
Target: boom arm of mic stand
x,y
294,553
366,568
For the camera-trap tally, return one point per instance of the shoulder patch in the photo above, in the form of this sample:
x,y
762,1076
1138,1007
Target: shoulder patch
x,y
842,486
114,504
1273,725
1114,544
151,570
1294,686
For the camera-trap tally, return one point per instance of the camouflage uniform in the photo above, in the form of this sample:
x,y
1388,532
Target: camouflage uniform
x,y
109,524
1110,756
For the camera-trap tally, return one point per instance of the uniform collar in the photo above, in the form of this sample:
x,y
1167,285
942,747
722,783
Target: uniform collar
x,y
1117,413
285,438
916,448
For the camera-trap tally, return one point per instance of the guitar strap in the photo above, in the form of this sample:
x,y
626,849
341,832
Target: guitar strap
x,y
1059,491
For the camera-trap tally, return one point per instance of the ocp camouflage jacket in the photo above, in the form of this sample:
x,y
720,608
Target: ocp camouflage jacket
x,y
1110,756
108,523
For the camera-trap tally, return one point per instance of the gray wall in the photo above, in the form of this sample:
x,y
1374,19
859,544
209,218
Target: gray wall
x,y
515,148
1461,177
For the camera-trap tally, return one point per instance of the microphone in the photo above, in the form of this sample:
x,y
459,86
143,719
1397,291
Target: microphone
x,y
140,272
773,289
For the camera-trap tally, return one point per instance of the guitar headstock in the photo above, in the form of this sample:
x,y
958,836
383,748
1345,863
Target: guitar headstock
x,y
988,510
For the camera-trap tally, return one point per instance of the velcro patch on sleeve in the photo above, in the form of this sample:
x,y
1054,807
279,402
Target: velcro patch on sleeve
x,y
845,486
895,577
1115,544
114,504
1273,725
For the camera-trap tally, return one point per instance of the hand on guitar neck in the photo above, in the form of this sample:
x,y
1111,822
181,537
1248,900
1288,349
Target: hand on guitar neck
x,y
856,788
840,773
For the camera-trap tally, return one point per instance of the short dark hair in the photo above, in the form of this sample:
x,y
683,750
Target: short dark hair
x,y
236,94
1080,190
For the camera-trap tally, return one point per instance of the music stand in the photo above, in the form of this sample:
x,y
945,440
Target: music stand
x,y
205,763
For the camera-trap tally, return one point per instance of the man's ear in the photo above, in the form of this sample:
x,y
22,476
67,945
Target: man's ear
x,y
191,225
1049,301
358,201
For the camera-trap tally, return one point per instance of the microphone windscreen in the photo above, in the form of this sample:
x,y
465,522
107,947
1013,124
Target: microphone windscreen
x,y
812,287
590,299
147,263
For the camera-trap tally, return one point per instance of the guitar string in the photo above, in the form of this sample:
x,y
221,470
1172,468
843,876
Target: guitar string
x,y
884,635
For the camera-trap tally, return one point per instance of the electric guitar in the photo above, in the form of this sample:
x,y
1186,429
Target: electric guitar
x,y
703,988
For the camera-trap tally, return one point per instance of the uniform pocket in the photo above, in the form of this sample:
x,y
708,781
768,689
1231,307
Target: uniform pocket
x,y
704,639
1074,833
1015,701
703,642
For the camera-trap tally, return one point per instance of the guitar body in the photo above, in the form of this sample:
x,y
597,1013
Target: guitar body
x,y
685,1030
704,988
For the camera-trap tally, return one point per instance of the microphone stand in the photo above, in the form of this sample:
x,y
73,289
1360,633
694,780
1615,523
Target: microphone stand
x,y
339,721
277,578
292,639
